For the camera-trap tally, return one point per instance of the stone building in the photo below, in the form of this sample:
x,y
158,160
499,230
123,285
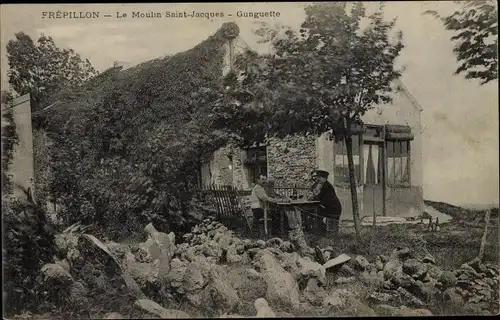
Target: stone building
x,y
387,154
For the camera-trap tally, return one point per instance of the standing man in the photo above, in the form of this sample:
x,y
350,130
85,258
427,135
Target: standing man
x,y
330,206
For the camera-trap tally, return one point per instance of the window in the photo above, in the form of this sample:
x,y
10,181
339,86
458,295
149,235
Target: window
x,y
398,162
341,167
256,163
372,158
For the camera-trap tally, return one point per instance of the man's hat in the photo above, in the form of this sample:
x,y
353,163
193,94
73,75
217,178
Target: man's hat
x,y
322,173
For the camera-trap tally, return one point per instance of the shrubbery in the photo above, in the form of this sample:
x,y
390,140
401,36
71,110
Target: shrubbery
x,y
28,244
127,146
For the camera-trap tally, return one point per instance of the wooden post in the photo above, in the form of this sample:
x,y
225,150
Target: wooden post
x,y
265,221
231,56
485,233
384,174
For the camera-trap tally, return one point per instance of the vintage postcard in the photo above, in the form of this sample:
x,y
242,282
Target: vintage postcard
x,y
300,159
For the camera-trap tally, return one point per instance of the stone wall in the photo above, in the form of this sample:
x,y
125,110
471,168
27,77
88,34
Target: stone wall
x,y
22,168
291,160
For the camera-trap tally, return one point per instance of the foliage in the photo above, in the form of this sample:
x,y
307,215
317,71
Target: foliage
x,y
28,245
324,78
475,28
41,158
9,140
128,143
42,68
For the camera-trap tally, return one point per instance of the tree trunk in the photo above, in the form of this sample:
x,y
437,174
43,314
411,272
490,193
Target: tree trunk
x,y
352,180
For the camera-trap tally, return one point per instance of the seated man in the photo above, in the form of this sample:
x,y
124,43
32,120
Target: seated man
x,y
260,200
330,206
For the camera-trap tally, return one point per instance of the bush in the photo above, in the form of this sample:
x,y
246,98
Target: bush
x,y
28,245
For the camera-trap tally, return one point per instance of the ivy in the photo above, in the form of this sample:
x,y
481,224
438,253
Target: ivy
x,y
9,140
128,143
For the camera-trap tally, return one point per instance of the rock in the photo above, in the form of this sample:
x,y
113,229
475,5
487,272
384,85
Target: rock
x,y
403,311
452,296
248,283
225,240
263,309
145,274
195,277
347,271
187,236
92,247
176,274
261,244
309,269
212,249
282,289
162,247
219,295
361,263
344,280
415,269
433,271
289,262
113,315
118,250
409,298
181,249
384,258
429,259
403,253
65,242
382,297
313,293
232,256
64,263
379,264
401,279
477,265
277,242
393,266
448,279
225,315
338,298
190,253
78,295
74,256
287,246
425,290
56,274
476,309
157,310
337,262
375,280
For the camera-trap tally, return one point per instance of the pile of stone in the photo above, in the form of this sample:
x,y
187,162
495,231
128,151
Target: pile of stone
x,y
402,278
223,275
476,285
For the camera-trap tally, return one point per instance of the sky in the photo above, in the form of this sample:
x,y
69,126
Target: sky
x,y
460,117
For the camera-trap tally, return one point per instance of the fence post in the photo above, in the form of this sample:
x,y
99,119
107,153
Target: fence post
x,y
485,233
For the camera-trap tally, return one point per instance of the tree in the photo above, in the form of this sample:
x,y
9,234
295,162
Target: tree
x,y
42,68
324,78
475,27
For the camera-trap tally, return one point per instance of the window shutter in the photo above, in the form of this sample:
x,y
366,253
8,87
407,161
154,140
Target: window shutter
x,y
398,133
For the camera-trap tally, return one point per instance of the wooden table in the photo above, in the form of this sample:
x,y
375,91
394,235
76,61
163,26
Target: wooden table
x,y
283,206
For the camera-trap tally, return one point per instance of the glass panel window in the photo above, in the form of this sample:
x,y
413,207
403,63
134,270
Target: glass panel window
x,y
341,165
398,166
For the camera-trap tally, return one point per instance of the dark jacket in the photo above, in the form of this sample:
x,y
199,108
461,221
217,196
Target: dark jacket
x,y
330,203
